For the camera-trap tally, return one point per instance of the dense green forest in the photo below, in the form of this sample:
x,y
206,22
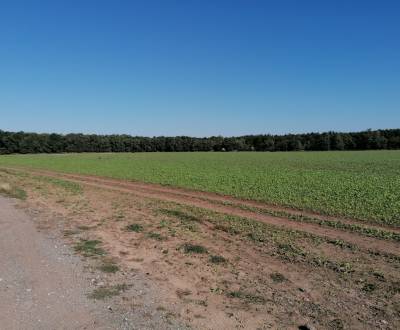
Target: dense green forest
x,y
21,142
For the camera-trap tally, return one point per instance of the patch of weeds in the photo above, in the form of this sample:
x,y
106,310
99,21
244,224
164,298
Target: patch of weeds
x,y
19,193
109,267
248,297
105,292
180,215
187,220
278,277
217,259
73,187
366,231
164,224
280,239
342,267
89,248
227,229
246,227
134,227
257,237
193,248
172,232
217,290
358,228
290,251
368,287
339,267
235,294
391,258
156,236
342,244
13,192
191,227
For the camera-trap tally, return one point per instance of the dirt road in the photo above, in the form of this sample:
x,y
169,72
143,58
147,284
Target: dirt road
x,y
41,285
229,205
44,286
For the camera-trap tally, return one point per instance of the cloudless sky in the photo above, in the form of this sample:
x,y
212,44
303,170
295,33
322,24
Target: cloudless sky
x,y
199,68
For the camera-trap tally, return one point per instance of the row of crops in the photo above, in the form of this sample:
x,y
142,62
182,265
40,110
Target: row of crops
x,y
362,184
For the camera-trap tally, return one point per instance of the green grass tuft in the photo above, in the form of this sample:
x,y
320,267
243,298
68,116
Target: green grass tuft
x,y
217,259
134,227
109,267
156,236
89,248
105,292
193,248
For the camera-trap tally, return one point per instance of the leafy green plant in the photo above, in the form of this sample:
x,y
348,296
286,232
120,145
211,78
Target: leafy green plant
x,y
194,248
134,227
156,236
217,259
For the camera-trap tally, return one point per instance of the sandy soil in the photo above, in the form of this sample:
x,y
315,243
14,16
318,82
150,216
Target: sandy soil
x,y
41,282
43,285
283,280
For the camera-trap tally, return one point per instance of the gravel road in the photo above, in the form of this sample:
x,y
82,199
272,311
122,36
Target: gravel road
x,y
41,282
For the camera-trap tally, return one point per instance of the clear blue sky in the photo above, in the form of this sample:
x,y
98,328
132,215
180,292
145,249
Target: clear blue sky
x,y
200,67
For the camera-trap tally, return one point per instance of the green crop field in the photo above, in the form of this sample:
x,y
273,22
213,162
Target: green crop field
x,y
363,185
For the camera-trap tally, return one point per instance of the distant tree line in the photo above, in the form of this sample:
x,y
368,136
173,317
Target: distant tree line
x,y
24,143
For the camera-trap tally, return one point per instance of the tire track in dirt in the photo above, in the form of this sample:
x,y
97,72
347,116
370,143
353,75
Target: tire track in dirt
x,y
169,194
199,200
255,206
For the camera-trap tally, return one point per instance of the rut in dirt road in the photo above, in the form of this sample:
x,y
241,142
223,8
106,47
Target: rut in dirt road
x,y
253,205
198,199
